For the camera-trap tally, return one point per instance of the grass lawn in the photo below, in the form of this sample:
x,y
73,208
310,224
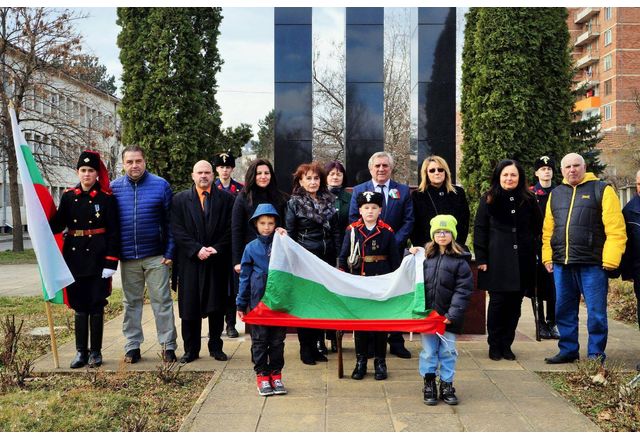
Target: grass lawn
x,y
93,400
9,257
96,401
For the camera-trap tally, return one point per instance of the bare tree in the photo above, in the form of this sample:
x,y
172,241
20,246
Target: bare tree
x,y
40,51
329,96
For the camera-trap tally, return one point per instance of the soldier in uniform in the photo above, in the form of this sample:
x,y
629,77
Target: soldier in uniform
x,y
374,252
89,212
224,163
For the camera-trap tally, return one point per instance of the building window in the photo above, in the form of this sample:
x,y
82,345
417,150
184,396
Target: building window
x,y
607,62
607,87
607,37
608,12
607,112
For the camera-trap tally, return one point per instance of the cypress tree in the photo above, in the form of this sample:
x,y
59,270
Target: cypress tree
x,y
516,90
170,59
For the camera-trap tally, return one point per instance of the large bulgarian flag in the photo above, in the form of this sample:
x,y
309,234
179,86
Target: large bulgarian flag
x,y
304,291
54,272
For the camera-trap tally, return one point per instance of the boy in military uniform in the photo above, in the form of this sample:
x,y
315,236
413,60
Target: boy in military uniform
x,y
225,163
91,247
369,249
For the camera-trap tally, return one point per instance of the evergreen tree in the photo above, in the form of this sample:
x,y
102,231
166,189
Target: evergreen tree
x,y
516,90
170,60
234,139
263,147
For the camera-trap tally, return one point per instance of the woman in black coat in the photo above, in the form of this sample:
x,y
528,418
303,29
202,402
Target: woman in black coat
x,y
311,220
436,195
260,187
507,223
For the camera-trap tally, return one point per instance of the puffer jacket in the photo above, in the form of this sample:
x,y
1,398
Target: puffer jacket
x,y
448,284
144,208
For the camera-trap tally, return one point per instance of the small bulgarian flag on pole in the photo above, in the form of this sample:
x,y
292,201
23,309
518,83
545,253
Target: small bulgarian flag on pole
x,y
54,272
303,291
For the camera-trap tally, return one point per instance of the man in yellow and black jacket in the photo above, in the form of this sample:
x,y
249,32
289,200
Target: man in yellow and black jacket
x,y
583,238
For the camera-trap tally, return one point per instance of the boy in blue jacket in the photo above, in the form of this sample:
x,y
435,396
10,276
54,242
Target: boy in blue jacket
x,y
267,342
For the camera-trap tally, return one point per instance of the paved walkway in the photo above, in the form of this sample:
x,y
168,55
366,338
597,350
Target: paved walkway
x,y
24,280
495,396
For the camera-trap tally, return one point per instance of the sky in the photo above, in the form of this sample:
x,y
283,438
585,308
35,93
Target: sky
x,y
245,84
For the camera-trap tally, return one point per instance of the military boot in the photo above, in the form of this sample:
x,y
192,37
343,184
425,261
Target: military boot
x,y
361,367
82,335
96,323
380,368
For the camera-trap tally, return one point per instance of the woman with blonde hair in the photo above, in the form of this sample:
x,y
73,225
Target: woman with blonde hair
x,y
437,195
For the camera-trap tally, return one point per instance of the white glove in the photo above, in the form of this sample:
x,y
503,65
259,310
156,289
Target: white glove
x,y
107,273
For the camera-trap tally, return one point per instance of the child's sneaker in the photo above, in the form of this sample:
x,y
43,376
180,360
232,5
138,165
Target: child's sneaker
x,y
264,385
276,384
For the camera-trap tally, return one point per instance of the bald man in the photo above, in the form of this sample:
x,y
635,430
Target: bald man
x,y
583,238
201,224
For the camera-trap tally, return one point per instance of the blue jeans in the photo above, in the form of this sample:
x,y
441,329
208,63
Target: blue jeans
x,y
434,352
590,281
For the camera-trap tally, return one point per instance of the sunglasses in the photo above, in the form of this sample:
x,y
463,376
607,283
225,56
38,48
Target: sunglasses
x,y
441,233
433,170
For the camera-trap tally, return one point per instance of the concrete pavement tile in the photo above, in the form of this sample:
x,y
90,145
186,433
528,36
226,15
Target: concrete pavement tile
x,y
278,405
402,388
481,404
239,375
358,422
467,362
366,388
224,422
252,404
223,388
404,375
525,388
421,422
356,405
551,405
495,422
564,422
511,376
295,422
488,364
471,375
413,405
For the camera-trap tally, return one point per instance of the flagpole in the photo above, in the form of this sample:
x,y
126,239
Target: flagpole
x,y
52,333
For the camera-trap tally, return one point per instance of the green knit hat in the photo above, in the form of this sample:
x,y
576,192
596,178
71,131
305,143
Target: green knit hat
x,y
444,222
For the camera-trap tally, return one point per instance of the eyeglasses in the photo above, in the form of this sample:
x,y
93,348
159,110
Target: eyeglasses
x,y
433,170
442,232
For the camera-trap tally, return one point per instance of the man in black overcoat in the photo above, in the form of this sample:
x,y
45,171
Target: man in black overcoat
x,y
201,221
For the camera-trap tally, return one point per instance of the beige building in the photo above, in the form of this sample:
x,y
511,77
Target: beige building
x,y
606,51
60,117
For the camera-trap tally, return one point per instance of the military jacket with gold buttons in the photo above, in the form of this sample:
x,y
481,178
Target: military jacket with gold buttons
x,y
92,237
378,249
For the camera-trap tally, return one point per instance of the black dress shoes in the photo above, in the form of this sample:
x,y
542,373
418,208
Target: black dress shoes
x,y
169,356
561,359
219,355
188,357
495,354
232,332
508,354
399,351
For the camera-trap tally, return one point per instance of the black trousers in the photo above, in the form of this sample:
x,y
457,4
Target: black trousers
x,y
396,339
379,340
551,310
308,338
502,317
192,329
88,294
267,348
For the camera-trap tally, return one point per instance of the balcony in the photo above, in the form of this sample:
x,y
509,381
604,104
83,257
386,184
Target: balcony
x,y
592,33
585,14
588,59
588,83
586,103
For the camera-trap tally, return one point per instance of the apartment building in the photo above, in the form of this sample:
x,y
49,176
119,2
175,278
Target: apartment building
x,y
61,116
606,51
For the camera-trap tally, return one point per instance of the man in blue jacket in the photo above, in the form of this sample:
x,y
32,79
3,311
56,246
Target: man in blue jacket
x,y
397,211
147,246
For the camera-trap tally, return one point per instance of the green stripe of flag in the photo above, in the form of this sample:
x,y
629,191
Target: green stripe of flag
x,y
34,172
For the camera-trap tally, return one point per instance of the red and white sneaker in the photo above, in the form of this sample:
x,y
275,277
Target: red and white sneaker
x,y
264,385
276,384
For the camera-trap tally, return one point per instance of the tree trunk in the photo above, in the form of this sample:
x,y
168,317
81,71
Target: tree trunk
x,y
18,236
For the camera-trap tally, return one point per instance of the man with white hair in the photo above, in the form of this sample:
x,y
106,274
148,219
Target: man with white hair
x,y
583,238
397,211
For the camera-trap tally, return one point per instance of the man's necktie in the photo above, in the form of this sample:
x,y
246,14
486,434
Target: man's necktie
x,y
205,205
384,199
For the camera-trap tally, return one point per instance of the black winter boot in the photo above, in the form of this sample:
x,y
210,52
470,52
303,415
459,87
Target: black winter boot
x,y
96,322
361,367
380,368
82,335
430,389
448,393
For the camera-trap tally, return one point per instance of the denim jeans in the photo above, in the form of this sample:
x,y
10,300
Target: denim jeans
x,y
591,281
435,351
135,274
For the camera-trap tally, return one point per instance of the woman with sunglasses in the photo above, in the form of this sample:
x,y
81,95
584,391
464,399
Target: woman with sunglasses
x,y
437,195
